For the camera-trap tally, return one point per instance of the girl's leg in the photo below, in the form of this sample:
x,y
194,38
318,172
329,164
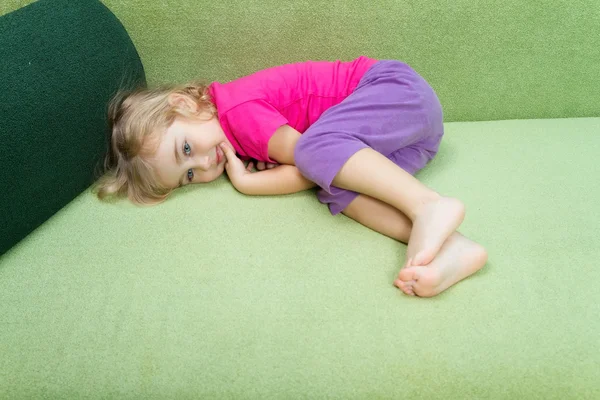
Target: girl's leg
x,y
380,217
393,111
458,258
434,218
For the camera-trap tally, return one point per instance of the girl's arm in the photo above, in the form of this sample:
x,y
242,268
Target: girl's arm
x,y
285,179
282,144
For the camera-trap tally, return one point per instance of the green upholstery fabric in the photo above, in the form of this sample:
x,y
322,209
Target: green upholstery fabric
x,y
61,61
487,60
215,295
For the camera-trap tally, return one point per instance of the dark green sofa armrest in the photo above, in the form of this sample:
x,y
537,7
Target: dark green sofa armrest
x,y
60,61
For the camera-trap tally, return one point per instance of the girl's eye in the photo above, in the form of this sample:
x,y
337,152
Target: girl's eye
x,y
187,149
190,175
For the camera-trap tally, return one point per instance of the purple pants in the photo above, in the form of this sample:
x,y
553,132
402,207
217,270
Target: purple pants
x,y
393,110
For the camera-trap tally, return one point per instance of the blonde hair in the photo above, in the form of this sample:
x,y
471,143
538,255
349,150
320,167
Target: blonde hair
x,y
137,121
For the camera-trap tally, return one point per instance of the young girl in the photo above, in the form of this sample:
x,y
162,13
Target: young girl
x,y
359,130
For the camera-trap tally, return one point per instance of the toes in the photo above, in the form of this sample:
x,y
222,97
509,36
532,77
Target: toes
x,y
408,280
409,274
406,287
400,284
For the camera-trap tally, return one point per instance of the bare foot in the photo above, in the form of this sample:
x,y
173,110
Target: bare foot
x,y
458,258
434,223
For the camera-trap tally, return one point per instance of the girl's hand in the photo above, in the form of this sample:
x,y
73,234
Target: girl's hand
x,y
260,165
236,170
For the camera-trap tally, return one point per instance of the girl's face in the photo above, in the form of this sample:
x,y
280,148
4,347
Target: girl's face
x,y
189,152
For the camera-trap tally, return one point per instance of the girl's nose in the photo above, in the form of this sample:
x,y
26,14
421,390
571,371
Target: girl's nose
x,y
205,163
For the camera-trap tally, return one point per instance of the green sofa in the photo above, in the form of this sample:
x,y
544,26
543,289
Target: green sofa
x,y
215,295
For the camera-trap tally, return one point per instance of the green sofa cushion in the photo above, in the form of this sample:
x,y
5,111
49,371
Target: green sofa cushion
x,y
216,295
60,62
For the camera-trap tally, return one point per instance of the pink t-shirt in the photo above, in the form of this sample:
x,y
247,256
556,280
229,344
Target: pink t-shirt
x,y
251,108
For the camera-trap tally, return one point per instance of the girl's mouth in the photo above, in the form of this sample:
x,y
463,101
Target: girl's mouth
x,y
219,155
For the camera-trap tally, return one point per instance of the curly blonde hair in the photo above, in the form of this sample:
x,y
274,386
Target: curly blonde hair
x,y
137,121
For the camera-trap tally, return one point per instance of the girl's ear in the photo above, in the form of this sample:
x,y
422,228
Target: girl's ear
x,y
182,101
